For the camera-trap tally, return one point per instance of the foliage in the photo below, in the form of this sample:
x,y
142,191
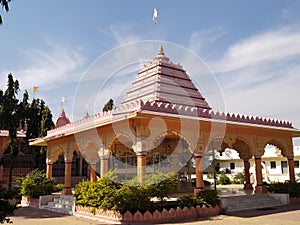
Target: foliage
x,y
4,4
239,178
7,205
204,197
223,179
160,185
190,201
108,194
132,198
15,114
210,197
58,187
36,184
291,188
10,116
97,194
108,106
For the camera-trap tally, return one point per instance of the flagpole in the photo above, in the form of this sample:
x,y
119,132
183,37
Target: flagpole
x,y
155,20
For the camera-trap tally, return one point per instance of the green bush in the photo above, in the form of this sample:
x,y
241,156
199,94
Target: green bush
x,y
108,194
36,184
205,197
58,187
160,185
97,194
223,179
7,206
190,201
132,198
210,197
239,178
291,188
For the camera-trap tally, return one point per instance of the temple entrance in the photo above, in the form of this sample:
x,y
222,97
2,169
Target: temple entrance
x,y
122,158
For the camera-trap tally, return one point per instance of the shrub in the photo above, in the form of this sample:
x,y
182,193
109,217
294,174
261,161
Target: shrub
x,y
7,206
36,184
239,178
160,185
291,188
210,197
97,194
223,179
205,197
58,187
108,194
132,198
190,201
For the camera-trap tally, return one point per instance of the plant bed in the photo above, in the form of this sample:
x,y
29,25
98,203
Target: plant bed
x,y
129,202
163,216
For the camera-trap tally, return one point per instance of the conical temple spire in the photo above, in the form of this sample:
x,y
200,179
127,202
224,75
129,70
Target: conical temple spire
x,y
62,119
161,50
162,81
161,55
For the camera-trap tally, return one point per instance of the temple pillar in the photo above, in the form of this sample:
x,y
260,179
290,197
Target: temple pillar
x,y
103,165
291,168
80,165
49,170
141,167
68,174
93,177
247,185
199,174
259,189
1,172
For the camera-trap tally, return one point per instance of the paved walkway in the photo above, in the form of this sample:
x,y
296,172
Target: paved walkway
x,y
286,215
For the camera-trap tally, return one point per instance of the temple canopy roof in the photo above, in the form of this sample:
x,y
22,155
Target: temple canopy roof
x,y
163,88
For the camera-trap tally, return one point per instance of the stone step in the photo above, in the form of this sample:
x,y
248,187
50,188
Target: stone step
x,y
61,204
245,202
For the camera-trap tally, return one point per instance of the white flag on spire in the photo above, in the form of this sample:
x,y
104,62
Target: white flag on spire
x,y
155,15
63,99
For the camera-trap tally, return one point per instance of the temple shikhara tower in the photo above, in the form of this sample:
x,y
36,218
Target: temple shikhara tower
x,y
164,124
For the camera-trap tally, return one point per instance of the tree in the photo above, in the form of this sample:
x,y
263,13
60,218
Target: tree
x,y
108,106
4,4
10,117
15,114
38,121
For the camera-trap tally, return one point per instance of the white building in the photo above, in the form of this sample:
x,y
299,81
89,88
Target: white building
x,y
275,166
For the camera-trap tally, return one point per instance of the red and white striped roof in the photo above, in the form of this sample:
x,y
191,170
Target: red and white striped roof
x,y
165,82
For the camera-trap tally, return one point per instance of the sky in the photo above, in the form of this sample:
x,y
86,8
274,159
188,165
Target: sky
x,y
252,47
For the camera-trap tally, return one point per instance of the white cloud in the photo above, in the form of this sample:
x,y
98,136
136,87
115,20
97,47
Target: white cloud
x,y
122,33
200,39
259,75
55,65
263,48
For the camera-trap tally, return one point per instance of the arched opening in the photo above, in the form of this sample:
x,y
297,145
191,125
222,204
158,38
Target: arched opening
x,y
122,158
276,162
172,154
79,169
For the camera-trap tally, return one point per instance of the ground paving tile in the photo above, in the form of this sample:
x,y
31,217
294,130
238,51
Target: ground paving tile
x,y
285,215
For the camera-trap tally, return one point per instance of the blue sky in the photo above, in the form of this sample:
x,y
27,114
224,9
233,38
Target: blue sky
x,y
253,47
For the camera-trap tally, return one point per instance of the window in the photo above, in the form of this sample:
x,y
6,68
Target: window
x,y
273,165
284,167
296,164
232,166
